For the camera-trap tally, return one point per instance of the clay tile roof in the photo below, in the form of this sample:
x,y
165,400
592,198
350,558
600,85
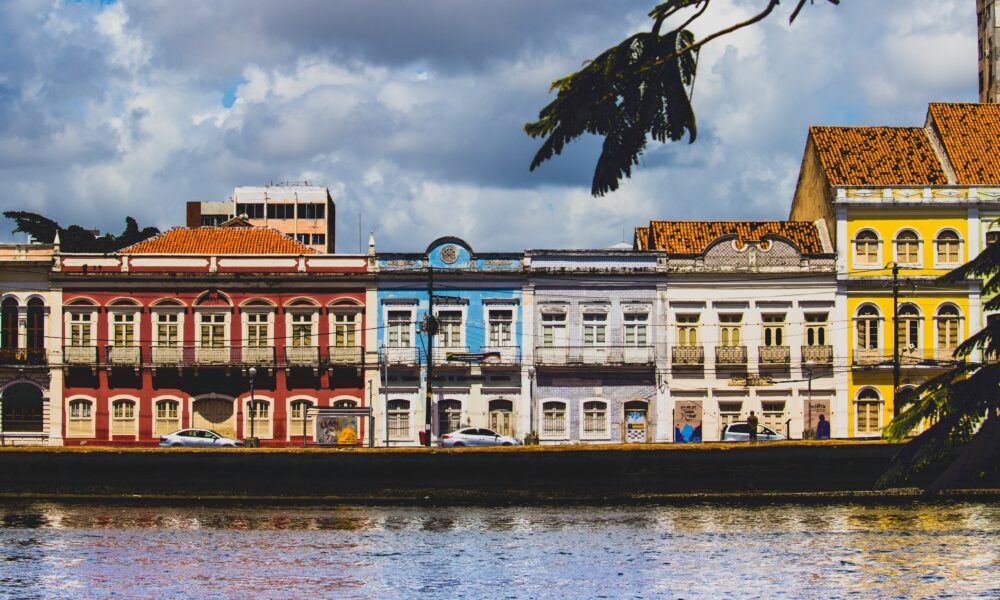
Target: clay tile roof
x,y
970,134
219,240
693,237
641,240
877,156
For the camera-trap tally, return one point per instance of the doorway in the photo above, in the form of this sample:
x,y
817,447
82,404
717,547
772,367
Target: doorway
x,y
636,422
215,414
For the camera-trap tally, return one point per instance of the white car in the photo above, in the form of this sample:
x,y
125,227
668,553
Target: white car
x,y
475,436
198,438
740,432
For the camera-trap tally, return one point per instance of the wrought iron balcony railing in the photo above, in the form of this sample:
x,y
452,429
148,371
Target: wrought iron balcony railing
x,y
730,355
405,355
80,355
821,355
302,356
348,356
867,357
593,355
261,356
774,355
509,355
23,356
688,355
123,356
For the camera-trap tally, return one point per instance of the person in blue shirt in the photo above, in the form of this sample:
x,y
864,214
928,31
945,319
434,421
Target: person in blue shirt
x,y
823,428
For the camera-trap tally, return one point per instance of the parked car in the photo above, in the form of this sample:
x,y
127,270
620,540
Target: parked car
x,y
198,438
474,436
740,432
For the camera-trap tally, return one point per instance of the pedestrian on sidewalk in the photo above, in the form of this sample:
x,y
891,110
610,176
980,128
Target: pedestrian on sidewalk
x,y
823,429
752,424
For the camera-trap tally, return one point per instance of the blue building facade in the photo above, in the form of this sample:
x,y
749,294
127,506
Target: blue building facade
x,y
477,362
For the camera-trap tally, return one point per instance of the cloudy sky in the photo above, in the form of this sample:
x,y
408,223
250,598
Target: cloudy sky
x,y
411,112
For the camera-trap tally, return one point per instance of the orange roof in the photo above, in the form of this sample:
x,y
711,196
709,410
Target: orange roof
x,y
219,240
970,134
693,237
641,239
877,156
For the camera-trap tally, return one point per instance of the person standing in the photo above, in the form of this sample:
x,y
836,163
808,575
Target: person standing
x,y
752,425
823,428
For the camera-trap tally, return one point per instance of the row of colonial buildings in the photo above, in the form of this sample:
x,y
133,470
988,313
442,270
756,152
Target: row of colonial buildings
x,y
693,327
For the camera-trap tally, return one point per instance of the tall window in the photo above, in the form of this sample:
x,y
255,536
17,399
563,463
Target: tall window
x,y
774,330
554,419
947,248
947,330
124,324
816,329
299,411
260,412
257,329
9,323
36,325
909,328
450,328
553,330
123,417
399,329
501,328
595,419
399,419
868,406
866,248
167,417
595,326
729,412
773,416
907,248
213,330
867,325
729,329
687,330
636,325
79,328
166,330
449,416
302,329
80,418
345,329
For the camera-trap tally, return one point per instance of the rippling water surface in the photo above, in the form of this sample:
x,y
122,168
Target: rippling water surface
x,y
790,551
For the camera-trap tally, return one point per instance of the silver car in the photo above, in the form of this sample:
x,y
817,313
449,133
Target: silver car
x,y
740,432
198,438
475,436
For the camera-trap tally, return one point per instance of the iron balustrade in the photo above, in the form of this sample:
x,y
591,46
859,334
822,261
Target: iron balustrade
x,y
867,357
349,356
774,355
594,355
302,356
509,355
688,355
80,355
821,355
404,355
261,356
23,356
123,356
730,355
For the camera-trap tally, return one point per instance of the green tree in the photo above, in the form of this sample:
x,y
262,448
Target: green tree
x,y
637,90
76,238
962,443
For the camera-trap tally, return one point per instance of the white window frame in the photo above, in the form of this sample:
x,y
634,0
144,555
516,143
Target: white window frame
x,y
584,434
920,326
879,319
125,310
462,406
778,328
855,261
313,313
135,415
260,400
91,312
227,320
920,248
557,322
684,327
738,325
639,320
156,312
601,321
345,311
245,313
91,419
960,321
156,414
461,310
512,323
820,323
938,264
409,420
562,435
410,324
880,411
294,425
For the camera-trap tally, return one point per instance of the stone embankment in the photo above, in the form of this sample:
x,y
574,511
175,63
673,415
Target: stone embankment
x,y
798,471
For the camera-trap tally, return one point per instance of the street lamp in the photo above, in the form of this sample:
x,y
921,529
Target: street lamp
x,y
252,372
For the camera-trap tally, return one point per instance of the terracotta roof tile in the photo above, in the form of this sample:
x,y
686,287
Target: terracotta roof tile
x,y
877,156
970,134
219,240
641,239
693,237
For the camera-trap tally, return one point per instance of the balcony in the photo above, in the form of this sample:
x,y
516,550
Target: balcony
x,y
75,356
594,355
214,356
167,356
262,356
406,355
21,357
123,356
867,357
509,355
774,355
688,356
441,354
946,355
302,356
346,356
821,355
731,355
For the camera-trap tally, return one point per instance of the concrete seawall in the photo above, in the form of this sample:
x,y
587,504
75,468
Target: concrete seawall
x,y
497,475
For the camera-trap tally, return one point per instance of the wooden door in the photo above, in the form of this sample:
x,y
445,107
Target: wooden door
x,y
215,414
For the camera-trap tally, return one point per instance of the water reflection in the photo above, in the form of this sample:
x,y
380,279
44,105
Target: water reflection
x,y
920,550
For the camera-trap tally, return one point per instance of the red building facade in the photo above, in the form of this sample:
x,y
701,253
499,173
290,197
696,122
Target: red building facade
x,y
163,336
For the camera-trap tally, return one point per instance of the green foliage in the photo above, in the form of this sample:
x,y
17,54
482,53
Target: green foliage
x,y
75,238
635,91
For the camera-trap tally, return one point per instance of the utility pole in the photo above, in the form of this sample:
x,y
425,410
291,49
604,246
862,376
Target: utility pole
x,y
430,329
895,334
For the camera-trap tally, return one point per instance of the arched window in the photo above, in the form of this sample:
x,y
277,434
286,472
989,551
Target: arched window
x,y
907,247
866,249
595,419
8,326
36,326
948,331
123,420
399,419
345,403
948,244
81,422
554,419
867,328
868,407
167,417
22,408
909,332
300,411
258,411
502,416
449,416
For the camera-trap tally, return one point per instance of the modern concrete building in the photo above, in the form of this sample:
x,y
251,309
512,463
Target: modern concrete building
x,y
305,213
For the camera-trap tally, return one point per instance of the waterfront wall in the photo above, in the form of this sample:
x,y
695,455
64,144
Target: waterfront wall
x,y
504,474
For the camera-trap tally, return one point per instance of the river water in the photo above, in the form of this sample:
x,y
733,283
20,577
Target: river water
x,y
778,551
